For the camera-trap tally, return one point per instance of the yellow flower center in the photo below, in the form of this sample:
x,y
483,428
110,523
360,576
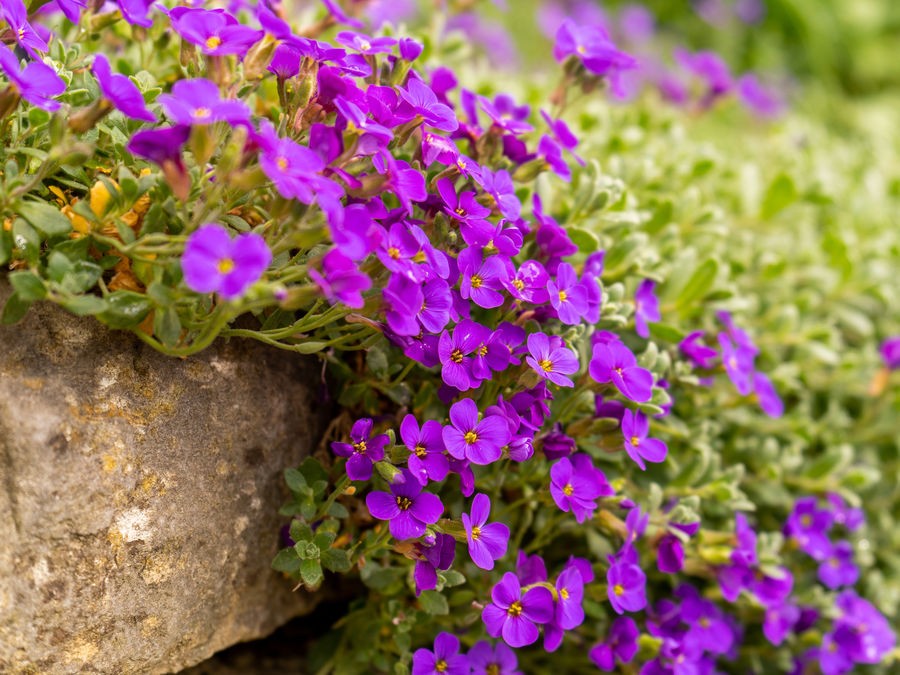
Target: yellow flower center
x,y
806,520
282,163
213,41
394,252
420,257
202,113
581,50
360,447
618,589
564,593
476,281
546,365
562,296
441,666
476,532
482,350
519,284
618,370
704,622
225,265
492,669
420,450
404,503
459,211
515,609
456,356
461,163
568,490
365,45
635,441
470,437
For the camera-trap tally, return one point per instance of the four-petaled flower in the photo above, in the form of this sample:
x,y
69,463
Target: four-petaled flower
x,y
635,427
444,659
614,362
407,509
512,615
480,442
363,450
213,262
487,542
551,359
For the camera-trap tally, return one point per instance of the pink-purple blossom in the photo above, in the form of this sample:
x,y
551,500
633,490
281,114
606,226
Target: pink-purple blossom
x,y
467,437
514,615
407,509
362,451
213,262
487,541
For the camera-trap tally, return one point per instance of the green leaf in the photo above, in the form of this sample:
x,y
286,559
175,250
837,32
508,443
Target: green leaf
x,y
586,241
337,510
309,346
14,309
296,481
6,246
27,241
58,265
28,286
699,284
126,309
335,560
167,326
666,333
780,194
286,561
311,573
46,218
313,470
84,305
300,531
434,603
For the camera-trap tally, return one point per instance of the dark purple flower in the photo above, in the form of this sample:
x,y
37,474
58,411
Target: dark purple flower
x,y
198,101
530,568
216,32
341,280
285,61
626,586
614,362
362,451
407,509
160,146
808,525
772,589
501,660
471,215
513,615
422,101
769,400
592,46
444,659
466,437
434,555
120,91
550,359
455,353
635,427
646,307
213,262
136,12
557,444
890,352
482,280
426,460
837,569
37,83
621,644
670,554
700,354
487,542
575,484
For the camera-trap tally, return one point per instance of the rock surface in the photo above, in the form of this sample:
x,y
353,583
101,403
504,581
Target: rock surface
x,y
139,496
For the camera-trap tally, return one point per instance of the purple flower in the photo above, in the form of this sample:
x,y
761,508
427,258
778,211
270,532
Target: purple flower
x,y
550,361
699,354
434,556
501,660
738,362
529,284
530,568
591,45
363,450
120,91
365,44
500,186
626,586
808,525
779,621
557,444
197,101
216,32
575,483
513,615
465,208
862,631
567,296
407,509
37,83
621,643
837,569
213,262
646,307
454,352
483,280
890,352
467,438
635,427
487,542
444,659
761,100
670,554
136,12
769,400
422,101
570,591
850,517
614,362
708,629
426,460
709,68
294,169
16,15
342,281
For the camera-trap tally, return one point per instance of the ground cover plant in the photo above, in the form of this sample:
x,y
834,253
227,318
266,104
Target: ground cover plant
x,y
610,343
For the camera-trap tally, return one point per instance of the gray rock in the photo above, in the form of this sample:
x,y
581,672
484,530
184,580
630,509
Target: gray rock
x,y
139,496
